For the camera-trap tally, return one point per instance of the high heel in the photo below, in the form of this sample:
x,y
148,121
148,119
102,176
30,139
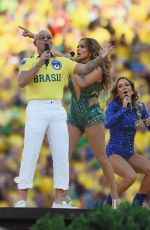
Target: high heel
x,y
115,203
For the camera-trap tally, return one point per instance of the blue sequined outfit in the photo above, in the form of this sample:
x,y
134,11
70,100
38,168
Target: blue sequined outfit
x,y
122,123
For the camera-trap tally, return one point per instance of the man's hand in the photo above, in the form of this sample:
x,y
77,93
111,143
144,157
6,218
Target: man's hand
x,y
105,50
26,32
44,56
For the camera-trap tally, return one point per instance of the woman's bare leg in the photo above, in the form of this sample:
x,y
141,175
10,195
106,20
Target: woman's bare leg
x,y
96,138
123,169
74,136
141,165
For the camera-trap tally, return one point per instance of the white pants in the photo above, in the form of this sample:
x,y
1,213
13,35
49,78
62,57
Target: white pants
x,y
45,116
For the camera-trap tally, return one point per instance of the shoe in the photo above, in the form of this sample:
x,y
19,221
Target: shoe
x,y
21,204
137,203
138,200
63,205
16,180
68,200
112,202
109,200
115,203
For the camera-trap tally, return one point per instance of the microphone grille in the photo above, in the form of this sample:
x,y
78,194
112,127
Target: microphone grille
x,y
47,47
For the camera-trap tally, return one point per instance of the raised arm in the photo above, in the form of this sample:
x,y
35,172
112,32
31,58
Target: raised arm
x,y
94,76
112,117
93,64
28,33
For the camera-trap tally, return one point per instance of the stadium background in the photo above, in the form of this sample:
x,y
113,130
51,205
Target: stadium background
x,y
127,25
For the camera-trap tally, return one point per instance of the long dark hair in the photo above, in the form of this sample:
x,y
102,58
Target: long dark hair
x,y
94,47
113,95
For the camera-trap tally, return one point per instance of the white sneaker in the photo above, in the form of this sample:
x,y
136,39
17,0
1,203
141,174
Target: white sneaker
x,y
21,204
68,200
63,205
16,180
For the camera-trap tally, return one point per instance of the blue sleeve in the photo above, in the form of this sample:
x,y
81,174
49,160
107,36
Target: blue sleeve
x,y
113,115
144,113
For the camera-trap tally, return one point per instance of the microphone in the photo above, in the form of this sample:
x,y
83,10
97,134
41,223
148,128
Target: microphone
x,y
129,106
47,60
72,53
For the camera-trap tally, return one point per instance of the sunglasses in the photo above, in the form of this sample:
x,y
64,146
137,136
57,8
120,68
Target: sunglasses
x,y
42,37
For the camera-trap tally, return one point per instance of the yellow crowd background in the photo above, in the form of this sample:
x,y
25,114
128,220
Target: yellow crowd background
x,y
124,23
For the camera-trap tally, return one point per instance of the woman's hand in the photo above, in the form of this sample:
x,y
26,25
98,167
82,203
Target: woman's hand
x,y
146,121
126,101
26,32
105,49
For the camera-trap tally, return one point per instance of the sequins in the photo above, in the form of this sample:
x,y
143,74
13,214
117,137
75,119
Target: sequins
x,y
122,124
80,114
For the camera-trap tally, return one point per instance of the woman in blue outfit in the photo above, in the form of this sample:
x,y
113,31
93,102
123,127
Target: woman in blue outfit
x,y
123,115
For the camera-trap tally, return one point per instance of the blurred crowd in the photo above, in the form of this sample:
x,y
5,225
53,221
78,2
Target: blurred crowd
x,y
124,23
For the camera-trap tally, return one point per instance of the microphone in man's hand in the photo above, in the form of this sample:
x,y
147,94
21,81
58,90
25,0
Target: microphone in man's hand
x,y
129,106
47,60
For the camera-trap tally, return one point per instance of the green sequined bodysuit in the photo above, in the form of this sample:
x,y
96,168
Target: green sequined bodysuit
x,y
81,113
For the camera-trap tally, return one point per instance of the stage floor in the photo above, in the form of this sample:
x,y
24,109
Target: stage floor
x,y
24,218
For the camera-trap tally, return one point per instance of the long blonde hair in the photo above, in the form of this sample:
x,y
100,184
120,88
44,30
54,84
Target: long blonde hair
x,y
94,47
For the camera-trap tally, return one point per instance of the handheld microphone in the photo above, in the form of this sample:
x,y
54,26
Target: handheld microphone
x,y
129,106
47,60
72,53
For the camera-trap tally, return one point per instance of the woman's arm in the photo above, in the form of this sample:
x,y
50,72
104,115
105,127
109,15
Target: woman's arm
x,y
145,116
94,63
112,117
90,78
56,52
28,33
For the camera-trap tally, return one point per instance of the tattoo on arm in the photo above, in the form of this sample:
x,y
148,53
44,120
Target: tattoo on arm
x,y
93,64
